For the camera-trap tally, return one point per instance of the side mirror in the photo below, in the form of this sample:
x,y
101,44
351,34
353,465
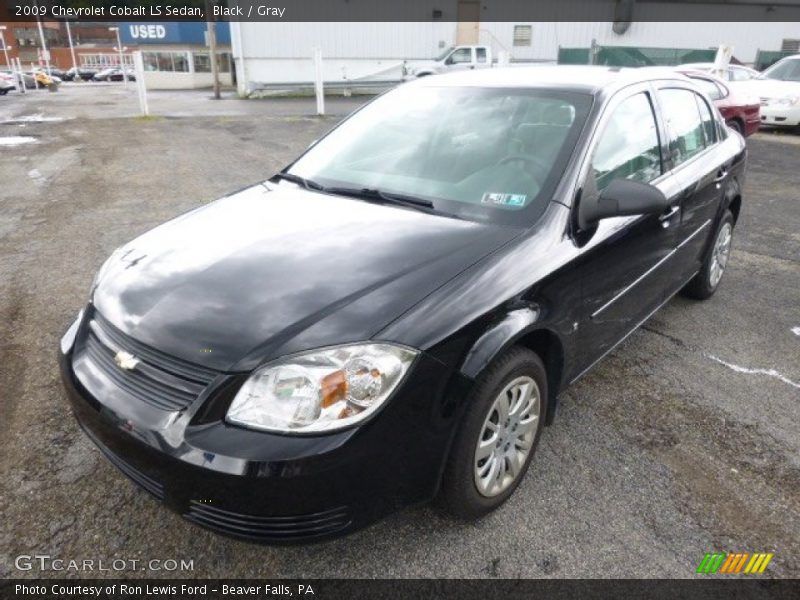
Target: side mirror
x,y
621,198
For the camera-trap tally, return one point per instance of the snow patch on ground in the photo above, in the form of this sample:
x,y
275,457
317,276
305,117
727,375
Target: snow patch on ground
x,y
17,140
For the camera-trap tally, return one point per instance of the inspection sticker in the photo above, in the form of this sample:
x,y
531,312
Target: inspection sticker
x,y
510,200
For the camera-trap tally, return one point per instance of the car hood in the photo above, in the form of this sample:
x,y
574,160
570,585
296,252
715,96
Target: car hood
x,y
271,271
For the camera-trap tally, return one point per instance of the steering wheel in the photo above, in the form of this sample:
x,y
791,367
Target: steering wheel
x,y
542,167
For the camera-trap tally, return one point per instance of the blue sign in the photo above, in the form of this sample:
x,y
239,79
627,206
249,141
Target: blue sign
x,y
176,32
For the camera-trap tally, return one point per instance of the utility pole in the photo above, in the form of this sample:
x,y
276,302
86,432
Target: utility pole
x,y
212,47
5,47
72,51
45,53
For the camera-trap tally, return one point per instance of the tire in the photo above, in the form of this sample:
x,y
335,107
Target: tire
x,y
465,494
707,280
736,126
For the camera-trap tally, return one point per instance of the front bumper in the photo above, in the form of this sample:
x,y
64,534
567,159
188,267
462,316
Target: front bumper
x,y
776,115
261,486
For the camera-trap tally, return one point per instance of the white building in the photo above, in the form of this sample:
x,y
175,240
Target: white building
x,y
280,53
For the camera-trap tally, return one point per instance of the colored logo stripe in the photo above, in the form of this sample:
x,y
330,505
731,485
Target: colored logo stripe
x,y
732,563
711,562
758,563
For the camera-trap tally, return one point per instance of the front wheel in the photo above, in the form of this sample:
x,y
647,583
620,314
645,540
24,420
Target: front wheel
x,y
706,282
497,437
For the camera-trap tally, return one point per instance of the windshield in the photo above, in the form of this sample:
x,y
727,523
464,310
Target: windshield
x,y
785,70
477,153
444,54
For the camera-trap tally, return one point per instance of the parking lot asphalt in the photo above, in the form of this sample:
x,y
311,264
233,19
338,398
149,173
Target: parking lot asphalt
x,y
683,441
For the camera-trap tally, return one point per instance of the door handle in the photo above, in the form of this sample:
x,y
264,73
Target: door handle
x,y
665,218
721,174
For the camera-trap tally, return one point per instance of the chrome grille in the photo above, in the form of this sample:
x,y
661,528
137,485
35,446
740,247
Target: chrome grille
x,y
160,380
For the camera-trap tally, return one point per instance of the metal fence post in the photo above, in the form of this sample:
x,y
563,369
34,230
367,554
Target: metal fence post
x,y
318,87
141,88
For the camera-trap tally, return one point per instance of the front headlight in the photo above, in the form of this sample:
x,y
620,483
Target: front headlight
x,y
322,390
788,100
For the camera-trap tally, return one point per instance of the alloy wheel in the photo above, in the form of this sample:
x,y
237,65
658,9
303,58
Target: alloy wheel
x,y
720,254
507,436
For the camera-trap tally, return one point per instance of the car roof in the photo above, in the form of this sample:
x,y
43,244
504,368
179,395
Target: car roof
x,y
587,79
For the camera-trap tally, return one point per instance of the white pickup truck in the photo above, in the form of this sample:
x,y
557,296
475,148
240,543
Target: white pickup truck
x,y
453,59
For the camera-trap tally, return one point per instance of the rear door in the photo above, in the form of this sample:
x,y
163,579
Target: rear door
x,y
700,167
624,264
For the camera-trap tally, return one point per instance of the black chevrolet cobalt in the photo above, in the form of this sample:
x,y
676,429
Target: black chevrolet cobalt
x,y
391,318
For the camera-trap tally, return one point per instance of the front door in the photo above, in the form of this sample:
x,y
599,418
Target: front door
x,y
625,264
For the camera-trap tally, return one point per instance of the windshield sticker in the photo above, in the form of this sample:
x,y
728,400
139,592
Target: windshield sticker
x,y
509,200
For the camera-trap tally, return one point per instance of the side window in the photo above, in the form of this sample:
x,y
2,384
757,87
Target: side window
x,y
481,52
709,123
683,122
628,147
462,55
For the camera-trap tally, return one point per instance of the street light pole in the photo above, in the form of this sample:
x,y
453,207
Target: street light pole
x,y
119,49
5,48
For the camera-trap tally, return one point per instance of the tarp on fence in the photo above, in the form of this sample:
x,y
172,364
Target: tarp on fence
x,y
767,58
633,56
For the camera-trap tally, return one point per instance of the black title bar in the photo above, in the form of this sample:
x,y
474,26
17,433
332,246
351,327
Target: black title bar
x,y
396,10
377,589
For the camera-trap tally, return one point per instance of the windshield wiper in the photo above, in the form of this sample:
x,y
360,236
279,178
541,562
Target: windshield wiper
x,y
380,195
365,193
306,183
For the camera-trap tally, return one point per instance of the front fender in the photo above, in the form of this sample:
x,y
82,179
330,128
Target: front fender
x,y
497,338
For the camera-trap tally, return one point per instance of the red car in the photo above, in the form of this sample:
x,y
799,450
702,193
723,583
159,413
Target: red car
x,y
740,111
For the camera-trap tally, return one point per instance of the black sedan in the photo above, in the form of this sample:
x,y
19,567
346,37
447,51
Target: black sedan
x,y
392,317
82,73
114,74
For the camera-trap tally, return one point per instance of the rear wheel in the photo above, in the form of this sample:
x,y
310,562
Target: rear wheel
x,y
706,282
498,435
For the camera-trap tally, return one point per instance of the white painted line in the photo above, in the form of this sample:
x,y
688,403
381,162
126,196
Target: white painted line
x,y
796,331
37,118
767,372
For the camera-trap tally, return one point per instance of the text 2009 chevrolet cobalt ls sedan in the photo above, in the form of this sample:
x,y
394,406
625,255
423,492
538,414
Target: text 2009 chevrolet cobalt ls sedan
x,y
391,318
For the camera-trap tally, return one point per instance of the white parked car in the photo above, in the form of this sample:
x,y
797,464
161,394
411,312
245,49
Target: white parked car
x,y
779,91
7,83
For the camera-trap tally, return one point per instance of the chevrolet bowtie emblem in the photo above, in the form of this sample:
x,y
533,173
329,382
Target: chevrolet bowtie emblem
x,y
125,360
